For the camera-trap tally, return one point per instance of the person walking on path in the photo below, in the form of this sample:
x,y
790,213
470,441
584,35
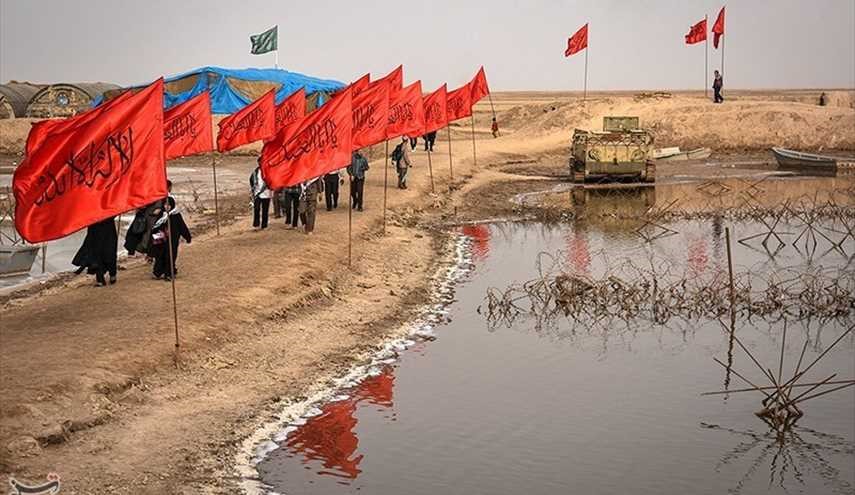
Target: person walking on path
x,y
309,198
331,183
495,128
414,141
291,205
356,170
260,199
401,158
97,254
429,139
718,84
166,235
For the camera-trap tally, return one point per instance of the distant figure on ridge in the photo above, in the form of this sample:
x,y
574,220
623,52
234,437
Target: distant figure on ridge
x,y
311,189
97,254
495,128
401,158
823,99
260,199
331,183
356,170
717,84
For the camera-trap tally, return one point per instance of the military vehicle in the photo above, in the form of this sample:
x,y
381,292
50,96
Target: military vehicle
x,y
620,151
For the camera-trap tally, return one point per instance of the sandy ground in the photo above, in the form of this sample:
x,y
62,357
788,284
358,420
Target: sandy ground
x,y
90,389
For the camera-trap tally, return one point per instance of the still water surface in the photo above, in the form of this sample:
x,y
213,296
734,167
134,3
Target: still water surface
x,y
567,408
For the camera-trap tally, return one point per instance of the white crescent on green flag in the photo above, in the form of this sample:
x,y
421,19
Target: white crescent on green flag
x,y
267,41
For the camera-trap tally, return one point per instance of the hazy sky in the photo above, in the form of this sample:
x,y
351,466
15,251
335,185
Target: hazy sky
x,y
634,44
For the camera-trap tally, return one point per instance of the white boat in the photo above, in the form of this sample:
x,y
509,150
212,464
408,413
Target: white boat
x,y
677,155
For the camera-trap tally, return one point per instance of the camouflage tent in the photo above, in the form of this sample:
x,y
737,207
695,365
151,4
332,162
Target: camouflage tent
x,y
14,98
65,99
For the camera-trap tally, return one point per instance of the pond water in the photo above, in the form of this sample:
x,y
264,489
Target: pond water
x,y
577,407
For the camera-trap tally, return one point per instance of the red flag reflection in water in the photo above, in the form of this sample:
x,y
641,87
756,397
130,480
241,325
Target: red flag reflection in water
x,y
329,437
578,253
480,235
697,256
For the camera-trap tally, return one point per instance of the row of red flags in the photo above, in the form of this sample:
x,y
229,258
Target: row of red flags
x,y
698,32
112,159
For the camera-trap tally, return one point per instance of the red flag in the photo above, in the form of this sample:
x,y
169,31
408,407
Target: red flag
x,y
92,167
395,78
187,128
577,42
697,33
291,109
436,115
479,86
311,147
253,122
360,84
371,115
406,112
459,103
718,28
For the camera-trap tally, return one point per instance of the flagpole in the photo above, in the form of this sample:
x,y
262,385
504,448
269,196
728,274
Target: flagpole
x,y
430,169
474,157
706,57
172,279
276,57
216,194
450,166
722,56
585,93
385,185
350,224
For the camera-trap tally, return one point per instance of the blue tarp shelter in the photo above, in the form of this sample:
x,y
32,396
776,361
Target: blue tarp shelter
x,y
232,89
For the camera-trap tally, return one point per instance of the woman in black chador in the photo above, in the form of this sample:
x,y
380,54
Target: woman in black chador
x,y
97,255
162,241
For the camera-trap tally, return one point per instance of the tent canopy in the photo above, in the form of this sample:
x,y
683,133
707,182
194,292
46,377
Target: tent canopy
x,y
232,89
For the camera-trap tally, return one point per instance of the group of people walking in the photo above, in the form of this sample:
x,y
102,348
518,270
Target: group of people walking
x,y
155,231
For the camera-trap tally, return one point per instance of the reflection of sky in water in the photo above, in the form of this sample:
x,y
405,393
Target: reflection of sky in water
x,y
573,409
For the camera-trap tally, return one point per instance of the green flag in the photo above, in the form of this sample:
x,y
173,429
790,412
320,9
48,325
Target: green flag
x,y
265,42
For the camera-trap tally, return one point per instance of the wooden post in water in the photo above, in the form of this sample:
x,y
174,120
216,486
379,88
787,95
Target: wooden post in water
x,y
385,185
216,194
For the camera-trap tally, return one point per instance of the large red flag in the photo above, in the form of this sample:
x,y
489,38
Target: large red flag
x,y
291,109
436,115
395,78
697,33
371,115
92,167
459,103
478,86
577,42
254,122
718,28
360,84
187,128
311,147
406,112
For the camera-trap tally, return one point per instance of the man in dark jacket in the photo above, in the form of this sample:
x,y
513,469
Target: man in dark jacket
x,y
356,170
718,83
97,254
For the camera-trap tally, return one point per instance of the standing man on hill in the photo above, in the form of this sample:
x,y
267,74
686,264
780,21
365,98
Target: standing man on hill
x,y
356,170
717,84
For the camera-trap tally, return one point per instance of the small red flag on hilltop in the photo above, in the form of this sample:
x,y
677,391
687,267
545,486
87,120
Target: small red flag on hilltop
x,y
311,147
187,128
92,167
371,115
697,33
406,112
436,114
395,79
478,86
577,42
360,84
718,28
254,122
459,103
290,110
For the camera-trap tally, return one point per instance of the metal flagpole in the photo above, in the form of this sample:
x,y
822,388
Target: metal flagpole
x,y
706,58
216,194
430,169
474,157
450,166
385,185
585,94
722,56
276,56
172,279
